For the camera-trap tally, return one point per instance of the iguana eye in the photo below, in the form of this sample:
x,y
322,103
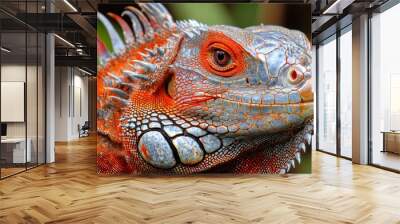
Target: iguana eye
x,y
222,56
220,60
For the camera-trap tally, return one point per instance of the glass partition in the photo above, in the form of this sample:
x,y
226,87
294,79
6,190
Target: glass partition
x,y
41,97
346,93
13,95
327,96
22,77
385,89
31,98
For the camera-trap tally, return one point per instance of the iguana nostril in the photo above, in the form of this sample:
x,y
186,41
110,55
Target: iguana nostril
x,y
293,75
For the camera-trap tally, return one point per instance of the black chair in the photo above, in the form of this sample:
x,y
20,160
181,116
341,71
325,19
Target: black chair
x,y
84,130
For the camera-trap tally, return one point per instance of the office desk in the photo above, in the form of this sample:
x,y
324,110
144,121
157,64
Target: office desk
x,y
391,141
13,150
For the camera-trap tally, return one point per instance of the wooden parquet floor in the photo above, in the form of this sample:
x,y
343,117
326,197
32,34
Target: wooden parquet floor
x,y
70,191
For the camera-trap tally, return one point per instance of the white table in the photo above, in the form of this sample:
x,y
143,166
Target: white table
x,y
18,148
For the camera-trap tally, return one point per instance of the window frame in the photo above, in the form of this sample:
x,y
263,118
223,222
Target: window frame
x,y
334,37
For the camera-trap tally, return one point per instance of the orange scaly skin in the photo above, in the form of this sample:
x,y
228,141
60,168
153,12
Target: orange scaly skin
x,y
182,98
115,161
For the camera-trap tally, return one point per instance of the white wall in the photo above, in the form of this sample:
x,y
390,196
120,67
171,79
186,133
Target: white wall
x,y
71,103
80,110
33,127
16,73
61,103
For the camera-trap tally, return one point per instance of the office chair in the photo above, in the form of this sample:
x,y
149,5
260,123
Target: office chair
x,y
84,130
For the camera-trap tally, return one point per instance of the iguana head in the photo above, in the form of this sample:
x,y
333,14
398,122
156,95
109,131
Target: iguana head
x,y
200,96
248,81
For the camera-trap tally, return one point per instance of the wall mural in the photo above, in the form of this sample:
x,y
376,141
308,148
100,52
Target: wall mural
x,y
183,97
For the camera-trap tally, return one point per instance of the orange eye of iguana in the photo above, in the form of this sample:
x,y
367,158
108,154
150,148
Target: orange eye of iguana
x,y
222,56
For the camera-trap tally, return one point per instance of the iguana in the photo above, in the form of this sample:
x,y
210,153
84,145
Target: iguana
x,y
184,97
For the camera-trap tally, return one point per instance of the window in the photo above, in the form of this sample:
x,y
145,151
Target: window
x,y
22,101
346,93
327,96
385,89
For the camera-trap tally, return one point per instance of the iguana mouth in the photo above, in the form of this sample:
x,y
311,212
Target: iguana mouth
x,y
263,97
261,105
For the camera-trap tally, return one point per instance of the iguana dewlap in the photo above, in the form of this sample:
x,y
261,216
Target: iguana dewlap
x,y
184,97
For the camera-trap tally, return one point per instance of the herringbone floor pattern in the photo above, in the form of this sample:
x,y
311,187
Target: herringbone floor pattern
x,y
70,191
